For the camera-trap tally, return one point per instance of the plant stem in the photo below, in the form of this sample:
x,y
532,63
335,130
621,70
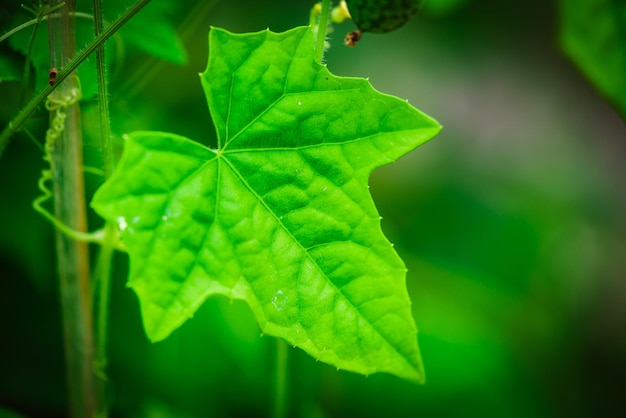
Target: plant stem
x,y
26,73
106,145
321,31
72,255
37,21
102,274
20,27
73,268
280,395
40,14
102,278
17,122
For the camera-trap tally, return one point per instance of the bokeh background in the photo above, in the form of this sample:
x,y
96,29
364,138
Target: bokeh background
x,y
511,223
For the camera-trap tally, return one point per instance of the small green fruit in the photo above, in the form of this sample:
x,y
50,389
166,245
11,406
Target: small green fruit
x,y
379,16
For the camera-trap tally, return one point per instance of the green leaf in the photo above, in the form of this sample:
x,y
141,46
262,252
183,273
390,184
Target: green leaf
x,y
593,34
280,214
153,32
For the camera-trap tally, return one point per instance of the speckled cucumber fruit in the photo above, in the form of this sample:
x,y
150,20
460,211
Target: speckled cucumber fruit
x,y
379,16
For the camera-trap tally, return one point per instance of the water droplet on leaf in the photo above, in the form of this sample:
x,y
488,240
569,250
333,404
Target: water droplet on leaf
x,y
279,300
122,224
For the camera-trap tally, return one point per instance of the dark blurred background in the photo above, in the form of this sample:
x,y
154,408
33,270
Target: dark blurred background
x,y
511,223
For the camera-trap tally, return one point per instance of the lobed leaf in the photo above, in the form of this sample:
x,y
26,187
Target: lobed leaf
x,y
280,214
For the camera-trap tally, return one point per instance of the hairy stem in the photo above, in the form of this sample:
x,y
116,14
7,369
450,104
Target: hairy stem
x,y
321,31
17,122
106,144
102,274
40,14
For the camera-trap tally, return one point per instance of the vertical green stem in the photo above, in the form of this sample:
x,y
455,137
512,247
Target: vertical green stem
x,y
321,31
73,268
72,255
102,278
26,73
102,274
103,94
280,395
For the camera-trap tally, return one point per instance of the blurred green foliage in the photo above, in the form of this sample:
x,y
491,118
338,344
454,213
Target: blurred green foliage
x,y
9,69
442,7
593,33
511,223
150,32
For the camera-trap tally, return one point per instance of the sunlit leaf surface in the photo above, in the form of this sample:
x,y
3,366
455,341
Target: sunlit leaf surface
x,y
280,214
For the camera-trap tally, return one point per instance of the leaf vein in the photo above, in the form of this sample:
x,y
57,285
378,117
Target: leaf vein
x,y
308,256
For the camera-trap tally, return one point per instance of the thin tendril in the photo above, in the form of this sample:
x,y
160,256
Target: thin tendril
x,y
57,103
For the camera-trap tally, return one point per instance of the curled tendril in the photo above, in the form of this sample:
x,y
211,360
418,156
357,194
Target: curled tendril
x,y
58,102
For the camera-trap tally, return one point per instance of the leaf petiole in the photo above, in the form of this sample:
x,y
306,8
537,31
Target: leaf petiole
x,y
280,395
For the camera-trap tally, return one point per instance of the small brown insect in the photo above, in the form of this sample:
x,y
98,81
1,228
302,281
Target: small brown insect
x,y
352,38
52,76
